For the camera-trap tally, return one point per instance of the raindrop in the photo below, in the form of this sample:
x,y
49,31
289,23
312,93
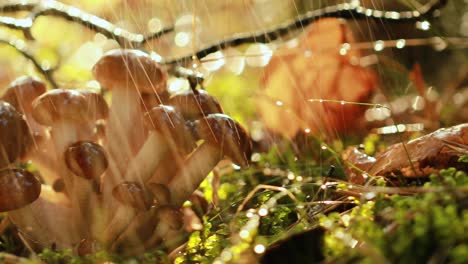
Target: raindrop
x,y
258,55
423,25
182,39
213,61
234,61
259,248
379,45
154,25
401,43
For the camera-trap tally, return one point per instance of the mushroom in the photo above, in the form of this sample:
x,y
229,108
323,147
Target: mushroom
x,y
169,219
18,188
141,226
223,137
88,161
132,198
37,210
161,194
21,93
195,104
15,138
139,230
169,133
71,115
150,100
127,73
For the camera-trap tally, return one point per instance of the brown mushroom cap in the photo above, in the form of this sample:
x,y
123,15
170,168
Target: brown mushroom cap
x,y
132,194
67,104
130,68
86,159
18,188
171,125
15,138
199,203
96,105
170,216
228,135
23,91
150,100
195,105
161,194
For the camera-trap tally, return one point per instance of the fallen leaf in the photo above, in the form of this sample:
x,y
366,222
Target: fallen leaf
x,y
315,69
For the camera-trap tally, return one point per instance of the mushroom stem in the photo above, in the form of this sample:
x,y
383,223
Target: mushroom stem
x,y
167,168
79,190
47,220
125,132
195,169
121,219
143,166
138,231
42,155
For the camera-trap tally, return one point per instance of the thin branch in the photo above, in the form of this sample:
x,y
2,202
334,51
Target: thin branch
x,y
20,46
132,40
345,10
54,8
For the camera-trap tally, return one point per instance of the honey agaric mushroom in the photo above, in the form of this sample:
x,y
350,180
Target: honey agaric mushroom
x,y
29,207
141,226
21,93
169,219
223,137
169,134
127,73
86,159
15,138
133,198
48,213
71,115
132,194
18,188
195,104
139,230
161,194
150,100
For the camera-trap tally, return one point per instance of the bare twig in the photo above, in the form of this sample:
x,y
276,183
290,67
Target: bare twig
x,y
20,46
54,8
345,10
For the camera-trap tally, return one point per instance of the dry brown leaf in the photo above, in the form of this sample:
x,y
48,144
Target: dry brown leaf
x,y
316,71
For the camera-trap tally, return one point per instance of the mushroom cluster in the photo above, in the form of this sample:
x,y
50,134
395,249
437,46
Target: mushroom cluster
x,y
113,177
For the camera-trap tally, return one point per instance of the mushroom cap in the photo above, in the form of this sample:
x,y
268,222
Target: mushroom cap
x,y
70,105
96,104
171,125
161,194
170,216
199,203
150,100
130,68
23,91
195,105
222,131
86,159
18,188
15,138
132,194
